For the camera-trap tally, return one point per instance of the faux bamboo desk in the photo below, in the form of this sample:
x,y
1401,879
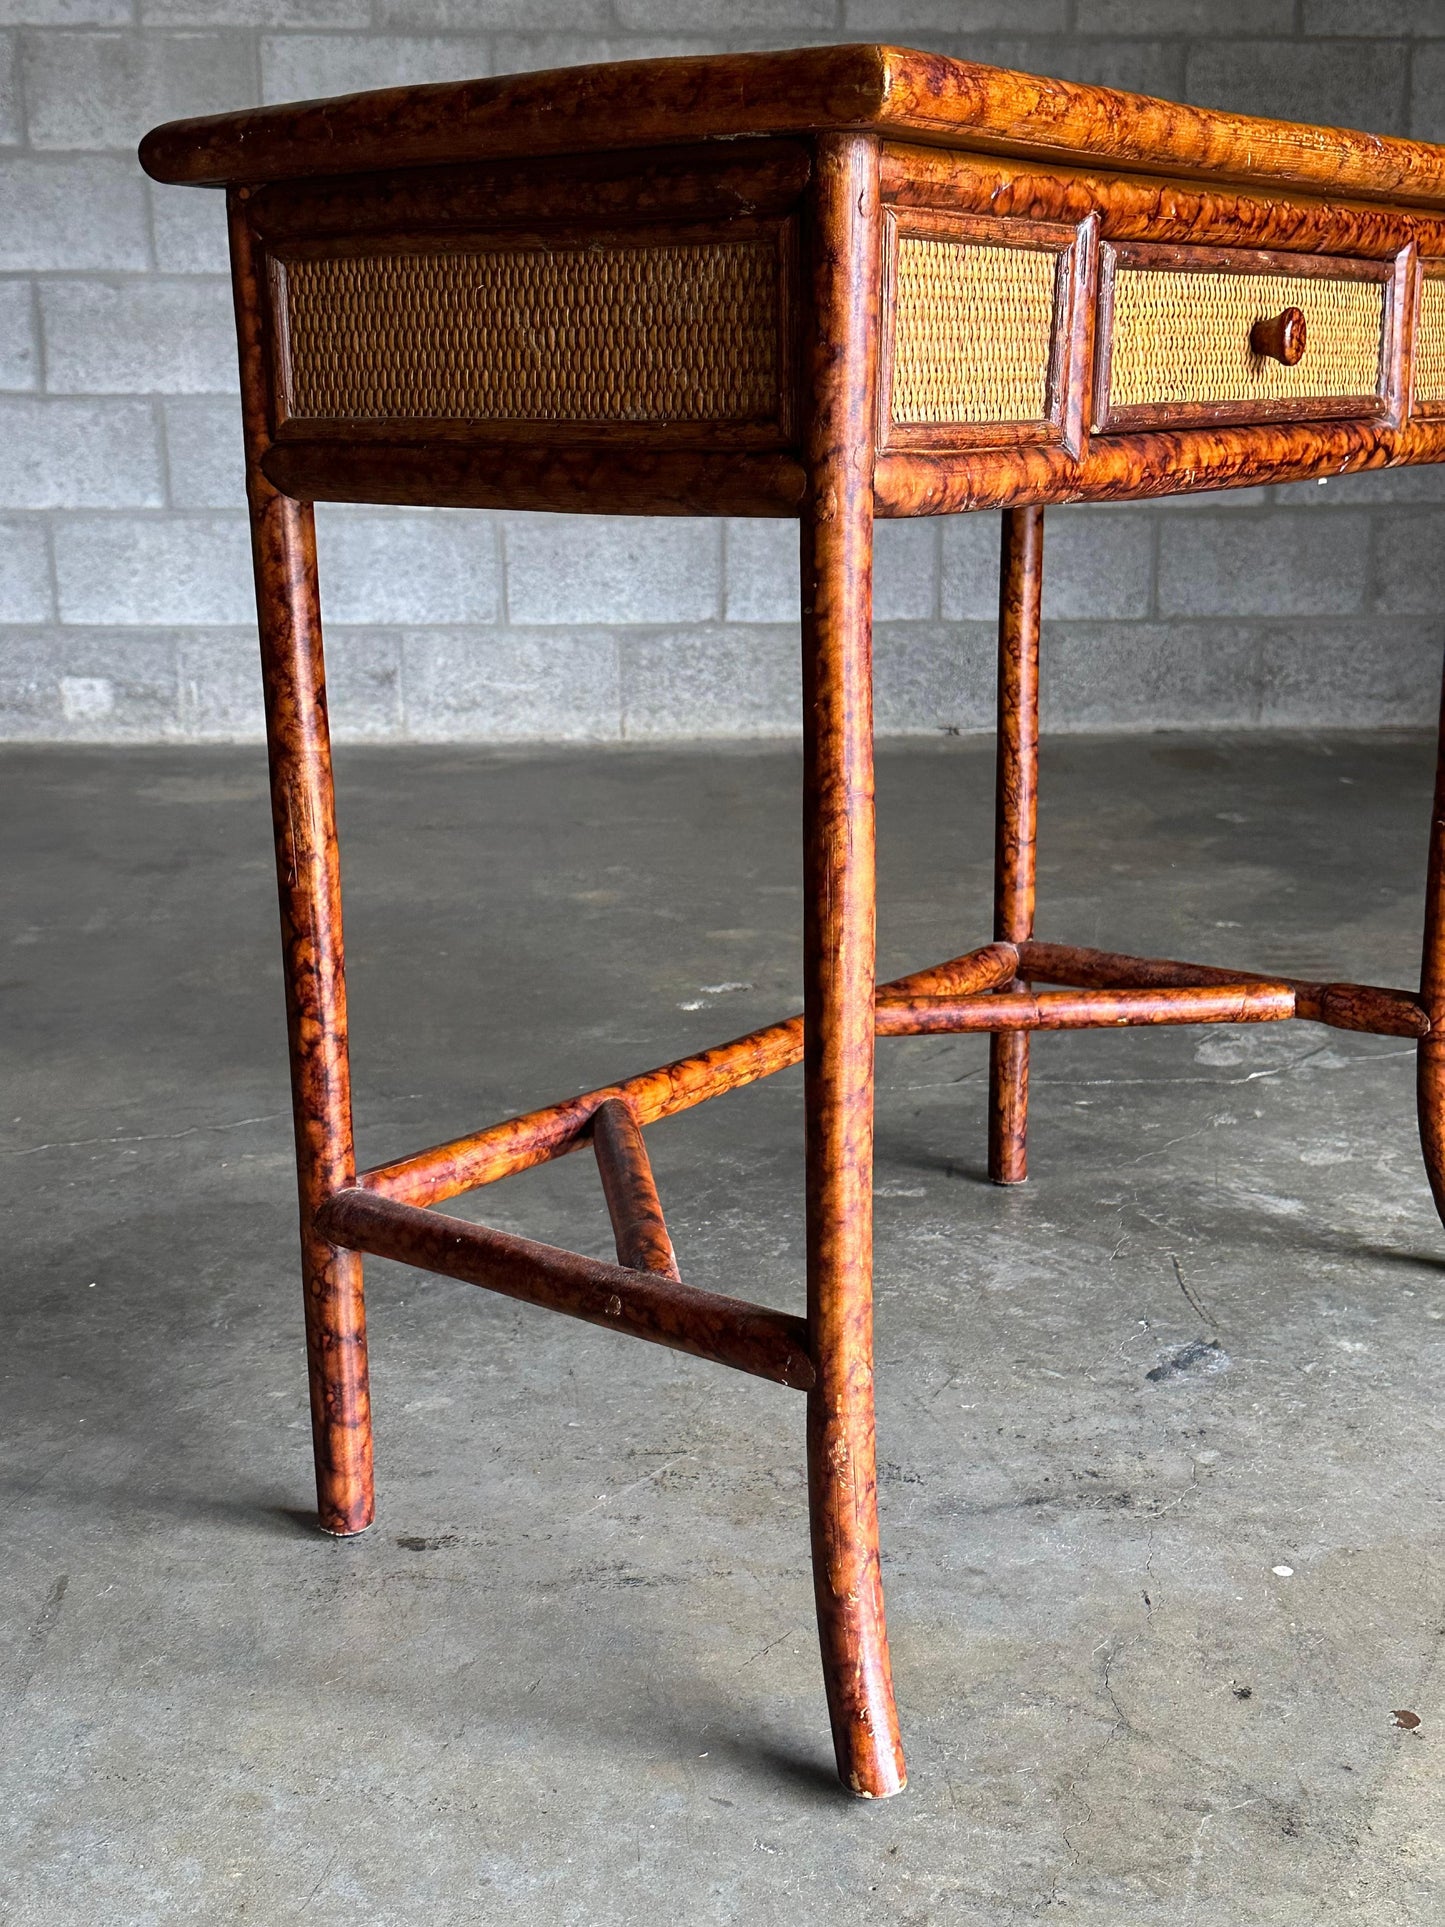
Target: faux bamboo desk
x,y
829,285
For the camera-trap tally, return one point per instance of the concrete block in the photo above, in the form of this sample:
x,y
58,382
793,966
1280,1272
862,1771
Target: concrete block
x,y
1148,675
1389,18
65,13
521,53
152,570
363,684
711,682
19,352
219,679
407,565
82,211
501,686
204,457
612,568
571,16
905,570
25,593
1220,500
1286,563
255,13
1097,562
103,90
1338,83
1422,483
1203,17
1326,674
1145,66
84,686
188,230
933,676
889,19
9,92
762,571
139,337
704,16
1427,92
220,684
303,66
760,38
970,562
78,454
1409,572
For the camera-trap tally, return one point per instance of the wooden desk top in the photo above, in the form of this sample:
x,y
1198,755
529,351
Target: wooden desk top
x,y
892,91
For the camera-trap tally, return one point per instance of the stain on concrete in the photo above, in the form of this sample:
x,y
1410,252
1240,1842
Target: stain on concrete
x,y
1200,1358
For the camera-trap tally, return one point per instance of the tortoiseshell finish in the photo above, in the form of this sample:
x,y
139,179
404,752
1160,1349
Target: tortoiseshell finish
x,y
843,145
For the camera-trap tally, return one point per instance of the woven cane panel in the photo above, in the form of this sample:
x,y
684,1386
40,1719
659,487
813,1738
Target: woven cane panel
x,y
669,332
973,331
1184,337
1430,341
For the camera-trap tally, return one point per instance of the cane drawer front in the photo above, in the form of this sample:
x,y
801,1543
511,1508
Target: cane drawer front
x,y
1430,340
975,346
681,337
1177,337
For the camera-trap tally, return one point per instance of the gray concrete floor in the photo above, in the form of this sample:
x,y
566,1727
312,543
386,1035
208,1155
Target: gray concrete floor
x,y
1151,1621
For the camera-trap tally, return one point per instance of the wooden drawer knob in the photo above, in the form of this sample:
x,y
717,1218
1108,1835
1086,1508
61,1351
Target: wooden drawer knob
x,y
1282,337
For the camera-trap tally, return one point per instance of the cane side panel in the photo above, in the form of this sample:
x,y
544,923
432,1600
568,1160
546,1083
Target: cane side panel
x,y
1430,340
1181,338
973,331
667,332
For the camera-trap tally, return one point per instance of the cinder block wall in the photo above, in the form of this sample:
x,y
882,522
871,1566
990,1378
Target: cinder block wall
x,y
125,600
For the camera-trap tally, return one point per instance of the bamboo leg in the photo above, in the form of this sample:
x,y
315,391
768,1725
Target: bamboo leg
x,y
1020,587
302,806
1430,1055
837,543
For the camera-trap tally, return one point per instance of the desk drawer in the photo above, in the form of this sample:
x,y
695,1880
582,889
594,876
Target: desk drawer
x,y
681,337
1179,334
980,347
